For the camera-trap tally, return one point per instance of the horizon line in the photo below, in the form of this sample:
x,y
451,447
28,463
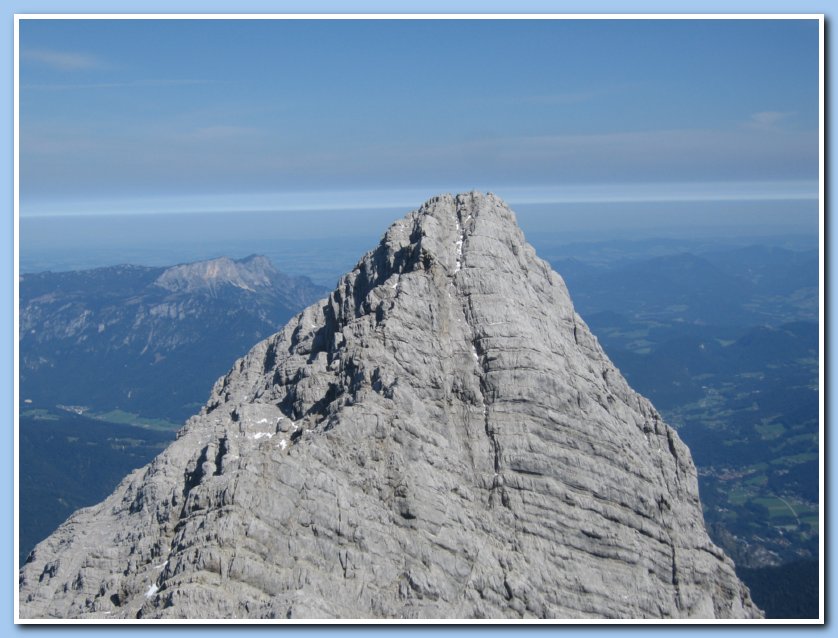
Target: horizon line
x,y
410,198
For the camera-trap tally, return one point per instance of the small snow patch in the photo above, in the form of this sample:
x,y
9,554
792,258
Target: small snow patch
x,y
161,565
261,435
151,591
459,245
283,444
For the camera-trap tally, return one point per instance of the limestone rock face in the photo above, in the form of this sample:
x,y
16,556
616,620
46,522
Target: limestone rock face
x,y
251,273
442,437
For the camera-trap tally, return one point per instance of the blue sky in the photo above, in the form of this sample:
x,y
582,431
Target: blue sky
x,y
151,115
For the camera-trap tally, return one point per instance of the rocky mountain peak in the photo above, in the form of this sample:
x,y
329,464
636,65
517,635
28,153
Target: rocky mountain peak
x,y
441,437
438,233
250,273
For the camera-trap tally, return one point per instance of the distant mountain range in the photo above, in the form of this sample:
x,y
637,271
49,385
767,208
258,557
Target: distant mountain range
x,y
149,341
737,287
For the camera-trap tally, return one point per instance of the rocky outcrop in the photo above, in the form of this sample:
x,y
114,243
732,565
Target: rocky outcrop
x,y
440,438
248,274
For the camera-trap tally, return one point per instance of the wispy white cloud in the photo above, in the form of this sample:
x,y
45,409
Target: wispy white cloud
x,y
695,191
226,153
63,60
220,132
111,85
652,155
560,98
767,119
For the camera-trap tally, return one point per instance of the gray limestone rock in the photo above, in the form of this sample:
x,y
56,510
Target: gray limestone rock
x,y
249,274
442,437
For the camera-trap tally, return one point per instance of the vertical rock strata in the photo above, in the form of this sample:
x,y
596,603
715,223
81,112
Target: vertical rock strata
x,y
442,437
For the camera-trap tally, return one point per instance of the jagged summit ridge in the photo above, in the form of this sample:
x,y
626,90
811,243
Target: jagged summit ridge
x,y
441,437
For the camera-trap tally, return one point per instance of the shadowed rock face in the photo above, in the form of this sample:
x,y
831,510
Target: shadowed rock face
x,y
441,437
